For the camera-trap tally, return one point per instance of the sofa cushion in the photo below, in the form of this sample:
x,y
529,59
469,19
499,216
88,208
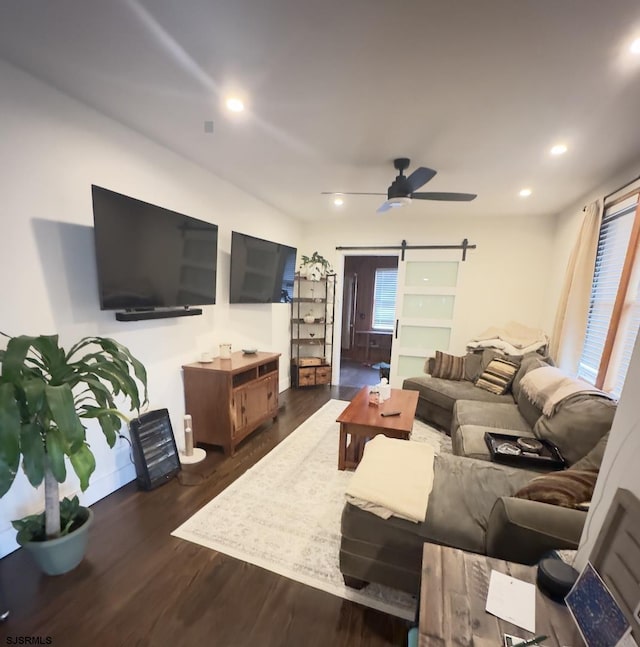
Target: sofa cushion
x,y
469,441
527,363
472,366
477,360
577,425
448,367
568,488
530,412
463,495
593,460
444,393
498,375
500,415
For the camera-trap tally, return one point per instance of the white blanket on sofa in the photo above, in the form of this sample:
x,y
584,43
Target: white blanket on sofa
x,y
394,477
548,386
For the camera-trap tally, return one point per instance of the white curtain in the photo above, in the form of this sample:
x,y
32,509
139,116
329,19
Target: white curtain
x,y
570,325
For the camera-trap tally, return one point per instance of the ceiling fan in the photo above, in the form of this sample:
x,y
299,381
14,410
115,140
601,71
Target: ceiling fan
x,y
403,189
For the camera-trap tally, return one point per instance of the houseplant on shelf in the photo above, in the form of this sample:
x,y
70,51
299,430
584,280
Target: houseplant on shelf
x,y
46,394
314,267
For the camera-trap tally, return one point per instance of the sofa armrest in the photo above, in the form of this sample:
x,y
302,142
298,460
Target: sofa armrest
x,y
520,530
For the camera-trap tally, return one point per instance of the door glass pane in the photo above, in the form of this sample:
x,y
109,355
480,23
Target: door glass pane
x,y
408,366
424,337
431,274
430,306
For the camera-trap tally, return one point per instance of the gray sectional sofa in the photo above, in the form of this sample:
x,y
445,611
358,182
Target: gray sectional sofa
x,y
472,506
466,412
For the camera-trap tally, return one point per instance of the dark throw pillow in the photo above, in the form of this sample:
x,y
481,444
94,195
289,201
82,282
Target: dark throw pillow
x,y
448,367
498,375
568,488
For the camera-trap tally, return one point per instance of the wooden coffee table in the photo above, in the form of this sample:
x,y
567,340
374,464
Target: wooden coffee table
x,y
361,421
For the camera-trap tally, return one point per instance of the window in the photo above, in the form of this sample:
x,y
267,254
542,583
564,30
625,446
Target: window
x,y
384,298
614,309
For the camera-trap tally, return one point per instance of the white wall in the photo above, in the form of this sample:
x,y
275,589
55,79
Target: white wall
x,y
52,150
505,277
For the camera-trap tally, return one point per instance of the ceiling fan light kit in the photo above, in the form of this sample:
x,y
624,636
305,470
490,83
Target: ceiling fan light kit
x,y
393,203
403,189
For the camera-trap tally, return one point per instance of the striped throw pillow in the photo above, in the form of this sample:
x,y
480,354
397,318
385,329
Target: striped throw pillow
x,y
568,488
498,375
448,367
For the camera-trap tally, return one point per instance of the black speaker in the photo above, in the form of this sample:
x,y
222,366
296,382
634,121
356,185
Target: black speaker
x,y
555,578
154,449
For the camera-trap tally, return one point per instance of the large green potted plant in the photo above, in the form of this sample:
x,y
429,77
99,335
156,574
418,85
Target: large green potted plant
x,y
46,396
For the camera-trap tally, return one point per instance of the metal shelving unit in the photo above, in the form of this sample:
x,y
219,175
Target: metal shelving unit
x,y
312,322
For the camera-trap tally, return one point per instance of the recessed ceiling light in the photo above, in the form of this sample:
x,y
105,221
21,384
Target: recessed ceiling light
x,y
234,104
558,149
338,201
525,193
635,46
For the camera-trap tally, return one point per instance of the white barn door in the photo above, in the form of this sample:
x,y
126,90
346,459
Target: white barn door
x,y
425,306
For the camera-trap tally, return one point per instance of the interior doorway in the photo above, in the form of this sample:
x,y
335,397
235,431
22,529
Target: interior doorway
x,y
368,318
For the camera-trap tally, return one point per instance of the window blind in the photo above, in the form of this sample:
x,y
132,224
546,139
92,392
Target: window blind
x,y
615,234
384,298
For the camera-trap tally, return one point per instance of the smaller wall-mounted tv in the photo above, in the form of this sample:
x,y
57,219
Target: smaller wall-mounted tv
x,y
261,271
151,257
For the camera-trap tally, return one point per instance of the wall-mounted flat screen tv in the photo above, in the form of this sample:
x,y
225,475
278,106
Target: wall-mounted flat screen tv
x,y
261,271
151,257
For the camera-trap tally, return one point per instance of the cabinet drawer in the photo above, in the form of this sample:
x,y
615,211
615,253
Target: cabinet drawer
x,y
323,375
306,376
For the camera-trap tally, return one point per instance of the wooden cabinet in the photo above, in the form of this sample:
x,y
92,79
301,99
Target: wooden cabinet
x,y
229,398
312,311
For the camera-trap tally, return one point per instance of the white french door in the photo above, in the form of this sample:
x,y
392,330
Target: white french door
x,y
425,304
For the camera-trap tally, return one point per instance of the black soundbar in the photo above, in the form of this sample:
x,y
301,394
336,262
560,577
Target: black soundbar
x,y
139,315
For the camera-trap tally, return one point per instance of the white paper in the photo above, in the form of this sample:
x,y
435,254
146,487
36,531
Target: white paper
x,y
512,600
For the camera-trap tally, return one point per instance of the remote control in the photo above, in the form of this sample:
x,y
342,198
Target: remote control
x,y
386,414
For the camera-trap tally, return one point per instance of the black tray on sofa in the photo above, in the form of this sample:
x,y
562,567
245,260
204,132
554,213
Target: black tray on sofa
x,y
500,445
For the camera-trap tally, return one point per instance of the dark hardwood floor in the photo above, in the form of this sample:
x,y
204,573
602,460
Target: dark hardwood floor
x,y
140,586
355,373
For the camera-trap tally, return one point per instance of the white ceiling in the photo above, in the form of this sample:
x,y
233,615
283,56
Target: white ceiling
x,y
477,89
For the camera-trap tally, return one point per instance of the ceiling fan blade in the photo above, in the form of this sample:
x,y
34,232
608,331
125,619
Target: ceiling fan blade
x,y
452,197
385,206
347,193
419,177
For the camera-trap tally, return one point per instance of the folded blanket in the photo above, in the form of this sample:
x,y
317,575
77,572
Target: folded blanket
x,y
394,477
515,334
548,386
505,346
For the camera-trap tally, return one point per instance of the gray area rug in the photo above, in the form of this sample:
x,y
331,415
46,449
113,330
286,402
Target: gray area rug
x,y
283,514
